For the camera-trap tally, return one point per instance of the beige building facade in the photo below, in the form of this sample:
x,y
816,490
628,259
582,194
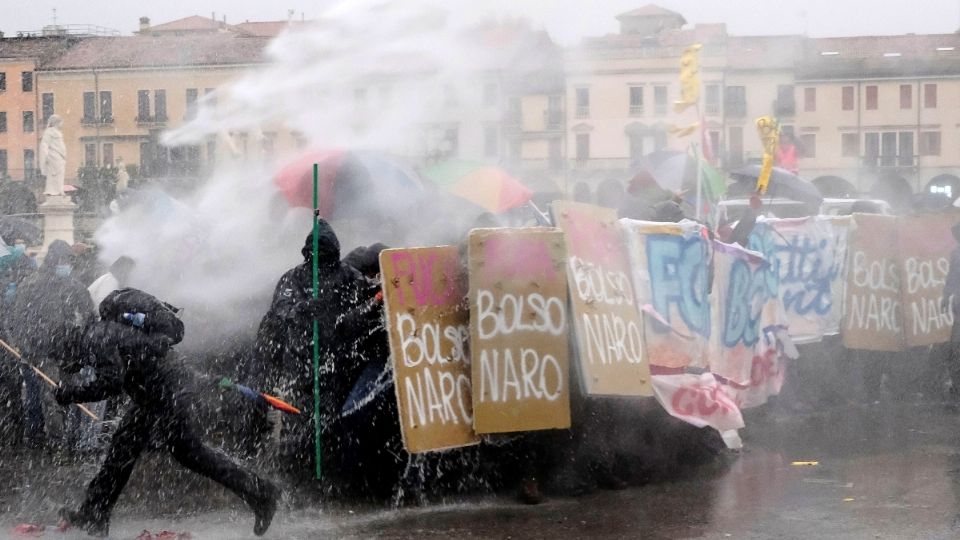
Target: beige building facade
x,y
869,114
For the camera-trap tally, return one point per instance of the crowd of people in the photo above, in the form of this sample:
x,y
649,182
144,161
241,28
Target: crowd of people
x,y
113,348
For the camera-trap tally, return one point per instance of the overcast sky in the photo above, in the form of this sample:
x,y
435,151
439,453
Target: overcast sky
x,y
567,20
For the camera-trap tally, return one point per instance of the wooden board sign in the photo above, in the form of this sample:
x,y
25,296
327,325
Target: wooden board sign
x,y
924,246
873,318
425,302
607,321
518,330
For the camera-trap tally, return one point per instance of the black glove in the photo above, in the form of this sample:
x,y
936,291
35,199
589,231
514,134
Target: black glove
x,y
159,346
63,395
310,308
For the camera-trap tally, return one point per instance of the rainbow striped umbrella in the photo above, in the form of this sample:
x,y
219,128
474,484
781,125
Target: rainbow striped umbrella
x,y
489,187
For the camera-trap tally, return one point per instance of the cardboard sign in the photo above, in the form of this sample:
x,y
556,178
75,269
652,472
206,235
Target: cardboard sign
x,y
519,330
427,320
608,326
873,318
745,307
671,267
924,245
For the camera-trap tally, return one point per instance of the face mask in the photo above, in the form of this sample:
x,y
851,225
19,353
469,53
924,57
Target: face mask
x,y
64,270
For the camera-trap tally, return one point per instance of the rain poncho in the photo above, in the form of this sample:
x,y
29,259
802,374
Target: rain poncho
x,y
345,314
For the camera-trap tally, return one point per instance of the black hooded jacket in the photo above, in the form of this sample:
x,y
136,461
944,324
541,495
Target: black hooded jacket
x,y
48,307
345,313
127,359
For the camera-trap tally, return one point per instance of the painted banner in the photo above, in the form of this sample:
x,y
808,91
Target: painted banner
x,y
873,318
671,269
697,399
924,246
801,254
838,230
767,371
518,329
607,322
427,321
744,304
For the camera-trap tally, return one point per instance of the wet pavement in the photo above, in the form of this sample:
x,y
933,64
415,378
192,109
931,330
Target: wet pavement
x,y
885,471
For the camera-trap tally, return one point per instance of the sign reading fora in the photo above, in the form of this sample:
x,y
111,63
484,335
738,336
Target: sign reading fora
x,y
608,325
425,302
518,330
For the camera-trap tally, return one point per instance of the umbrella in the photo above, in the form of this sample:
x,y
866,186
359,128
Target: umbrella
x,y
486,186
350,183
13,228
673,171
783,183
371,383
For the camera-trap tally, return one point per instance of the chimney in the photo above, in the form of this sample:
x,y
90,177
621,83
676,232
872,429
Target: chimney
x,y
213,15
144,25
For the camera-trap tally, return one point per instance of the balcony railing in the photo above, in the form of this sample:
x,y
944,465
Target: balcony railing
x,y
151,120
553,119
89,121
890,161
583,112
736,109
636,110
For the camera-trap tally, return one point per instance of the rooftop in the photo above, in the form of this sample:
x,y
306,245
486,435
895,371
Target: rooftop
x,y
193,23
264,28
40,48
161,51
907,55
649,10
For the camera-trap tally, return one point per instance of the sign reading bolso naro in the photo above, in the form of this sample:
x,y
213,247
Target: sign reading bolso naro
x,y
518,330
425,302
609,328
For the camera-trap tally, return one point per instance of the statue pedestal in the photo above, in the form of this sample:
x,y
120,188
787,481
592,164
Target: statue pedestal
x,y
57,213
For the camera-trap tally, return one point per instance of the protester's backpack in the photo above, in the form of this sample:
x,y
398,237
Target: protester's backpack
x,y
144,311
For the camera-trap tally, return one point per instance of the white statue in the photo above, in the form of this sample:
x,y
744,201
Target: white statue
x,y
53,156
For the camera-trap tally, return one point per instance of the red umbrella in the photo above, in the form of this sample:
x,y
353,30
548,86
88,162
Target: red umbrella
x,y
359,180
295,179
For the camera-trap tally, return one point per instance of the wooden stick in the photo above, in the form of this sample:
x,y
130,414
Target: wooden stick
x,y
43,376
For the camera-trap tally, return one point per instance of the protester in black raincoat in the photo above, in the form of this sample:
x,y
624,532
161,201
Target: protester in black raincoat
x,y
48,306
131,355
14,268
370,416
346,309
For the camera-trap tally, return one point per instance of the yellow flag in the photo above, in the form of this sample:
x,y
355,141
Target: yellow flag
x,y
689,78
769,132
684,131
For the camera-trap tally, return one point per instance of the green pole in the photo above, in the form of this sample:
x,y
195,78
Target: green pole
x,y
316,325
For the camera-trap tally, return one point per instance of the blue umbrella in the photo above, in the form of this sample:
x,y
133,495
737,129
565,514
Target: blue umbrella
x,y
374,379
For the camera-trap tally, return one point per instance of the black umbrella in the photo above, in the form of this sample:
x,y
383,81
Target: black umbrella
x,y
13,228
783,183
